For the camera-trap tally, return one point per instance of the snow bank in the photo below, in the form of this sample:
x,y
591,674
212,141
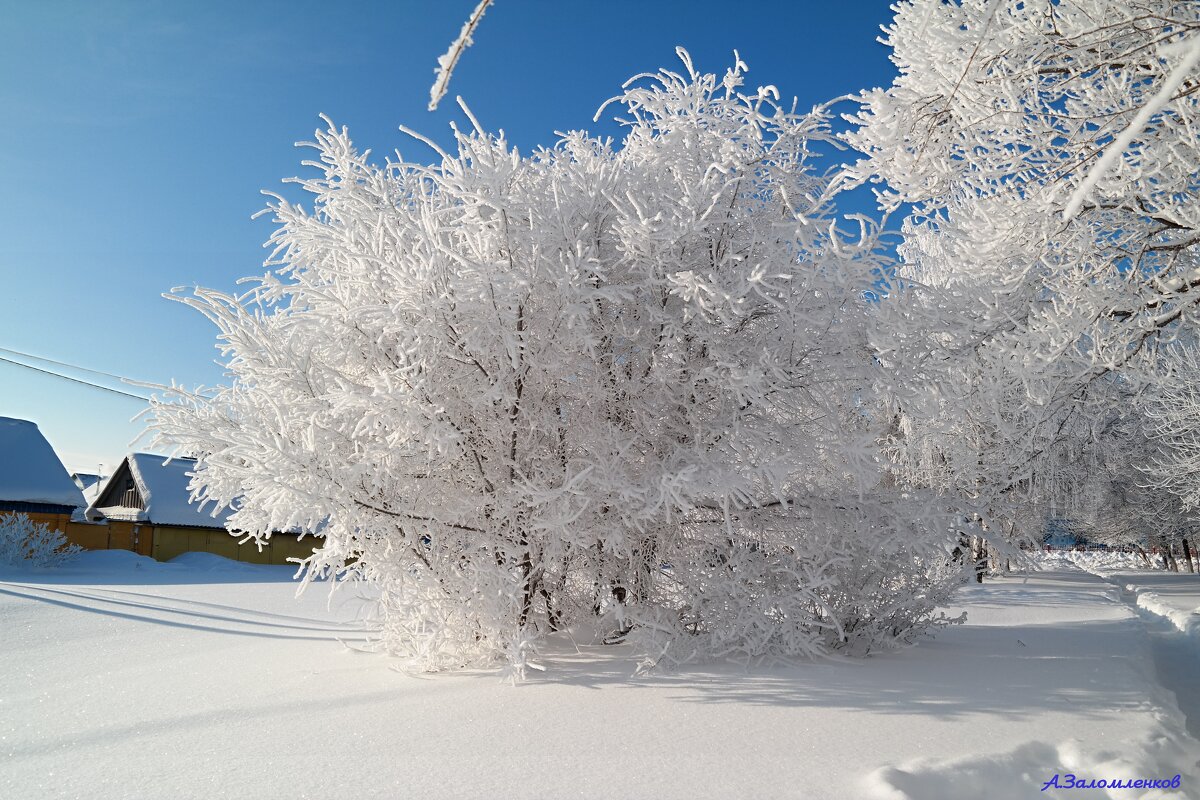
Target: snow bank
x,y
1097,562
109,567
210,562
1186,620
1078,618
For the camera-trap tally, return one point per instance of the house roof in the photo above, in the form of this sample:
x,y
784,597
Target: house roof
x,y
86,480
30,471
162,486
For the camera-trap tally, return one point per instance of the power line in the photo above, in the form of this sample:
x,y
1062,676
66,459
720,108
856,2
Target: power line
x,y
64,364
74,380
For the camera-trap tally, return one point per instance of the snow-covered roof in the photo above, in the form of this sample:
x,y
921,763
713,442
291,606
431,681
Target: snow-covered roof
x,y
163,488
92,492
86,480
30,471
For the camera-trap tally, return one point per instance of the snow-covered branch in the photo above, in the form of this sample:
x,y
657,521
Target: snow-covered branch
x,y
448,61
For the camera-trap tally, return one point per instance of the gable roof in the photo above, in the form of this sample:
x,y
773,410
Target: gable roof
x,y
30,471
161,495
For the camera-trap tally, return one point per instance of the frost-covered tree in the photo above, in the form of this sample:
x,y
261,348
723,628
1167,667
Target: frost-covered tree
x,y
1107,495
1047,152
975,418
518,391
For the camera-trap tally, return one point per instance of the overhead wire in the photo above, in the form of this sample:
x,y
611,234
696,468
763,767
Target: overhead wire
x,y
74,380
20,354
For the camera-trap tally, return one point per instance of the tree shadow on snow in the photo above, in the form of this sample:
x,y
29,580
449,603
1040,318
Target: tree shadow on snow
x,y
1084,669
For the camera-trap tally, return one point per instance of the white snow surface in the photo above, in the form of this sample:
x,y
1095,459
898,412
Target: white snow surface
x,y
30,471
127,678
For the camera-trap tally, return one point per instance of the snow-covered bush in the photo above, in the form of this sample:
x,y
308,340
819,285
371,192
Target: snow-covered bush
x,y
516,392
852,574
24,542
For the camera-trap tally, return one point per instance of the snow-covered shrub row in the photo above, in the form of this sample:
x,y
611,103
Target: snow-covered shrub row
x,y
24,542
516,392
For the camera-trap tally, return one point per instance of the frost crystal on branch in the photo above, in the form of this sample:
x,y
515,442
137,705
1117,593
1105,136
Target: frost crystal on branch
x,y
447,62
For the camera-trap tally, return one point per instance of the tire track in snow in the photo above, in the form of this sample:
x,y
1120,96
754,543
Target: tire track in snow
x,y
160,602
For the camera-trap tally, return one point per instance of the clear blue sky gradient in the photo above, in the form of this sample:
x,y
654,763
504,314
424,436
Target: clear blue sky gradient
x,y
137,137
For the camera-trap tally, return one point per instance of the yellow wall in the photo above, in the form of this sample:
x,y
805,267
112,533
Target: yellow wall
x,y
89,537
164,543
110,535
171,542
56,522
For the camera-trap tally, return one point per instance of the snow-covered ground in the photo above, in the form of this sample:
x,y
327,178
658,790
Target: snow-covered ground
x,y
125,678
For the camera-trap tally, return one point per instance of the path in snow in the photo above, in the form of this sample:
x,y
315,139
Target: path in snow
x,y
1169,604
141,680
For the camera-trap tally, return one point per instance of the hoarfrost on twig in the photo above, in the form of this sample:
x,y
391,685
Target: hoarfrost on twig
x,y
447,62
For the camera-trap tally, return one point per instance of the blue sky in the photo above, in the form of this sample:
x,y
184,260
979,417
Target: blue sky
x,y
137,137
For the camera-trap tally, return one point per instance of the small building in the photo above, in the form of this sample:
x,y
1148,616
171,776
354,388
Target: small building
x,y
33,480
147,506
90,484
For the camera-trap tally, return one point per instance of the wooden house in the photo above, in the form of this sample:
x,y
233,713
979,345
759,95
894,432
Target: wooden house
x,y
147,502
33,480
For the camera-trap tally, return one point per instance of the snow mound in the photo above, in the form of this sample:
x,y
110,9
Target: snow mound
x,y
210,562
1025,772
114,561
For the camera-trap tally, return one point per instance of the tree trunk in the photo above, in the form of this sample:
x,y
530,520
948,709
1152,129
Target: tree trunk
x,y
1187,554
529,589
960,549
1144,556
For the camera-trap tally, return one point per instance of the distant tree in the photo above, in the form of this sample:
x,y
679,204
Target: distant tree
x,y
1115,503
24,542
1172,407
514,392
